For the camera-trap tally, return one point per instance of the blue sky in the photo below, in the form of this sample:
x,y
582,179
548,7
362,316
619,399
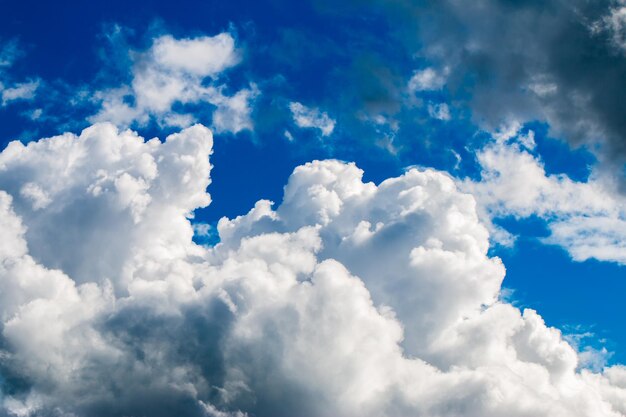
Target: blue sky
x,y
529,121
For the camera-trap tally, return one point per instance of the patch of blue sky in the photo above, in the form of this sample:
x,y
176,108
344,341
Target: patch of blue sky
x,y
568,294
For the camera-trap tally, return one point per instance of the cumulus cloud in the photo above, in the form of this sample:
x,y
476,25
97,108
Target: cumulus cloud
x,y
347,299
307,117
587,218
184,72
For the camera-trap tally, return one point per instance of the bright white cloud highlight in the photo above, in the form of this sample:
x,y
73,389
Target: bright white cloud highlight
x,y
428,79
185,72
588,219
203,56
306,117
347,299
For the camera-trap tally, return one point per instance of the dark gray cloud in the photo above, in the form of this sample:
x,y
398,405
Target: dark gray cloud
x,y
556,61
537,60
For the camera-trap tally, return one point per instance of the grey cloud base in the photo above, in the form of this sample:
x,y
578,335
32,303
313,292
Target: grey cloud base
x,y
348,299
560,62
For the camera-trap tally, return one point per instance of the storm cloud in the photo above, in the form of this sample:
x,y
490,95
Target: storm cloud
x,y
562,62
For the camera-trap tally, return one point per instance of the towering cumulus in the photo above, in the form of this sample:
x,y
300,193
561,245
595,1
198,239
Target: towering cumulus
x,y
347,299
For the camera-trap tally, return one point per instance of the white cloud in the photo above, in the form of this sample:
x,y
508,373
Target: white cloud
x,y
587,218
10,90
19,91
179,71
427,79
614,23
348,299
203,56
233,113
307,117
439,111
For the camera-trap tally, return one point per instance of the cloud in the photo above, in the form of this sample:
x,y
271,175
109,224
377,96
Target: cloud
x,y
439,111
179,72
614,23
10,90
348,298
203,56
9,52
426,79
588,218
550,63
558,62
19,91
306,117
233,113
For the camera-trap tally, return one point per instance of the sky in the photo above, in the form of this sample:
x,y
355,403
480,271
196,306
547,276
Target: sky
x,y
275,208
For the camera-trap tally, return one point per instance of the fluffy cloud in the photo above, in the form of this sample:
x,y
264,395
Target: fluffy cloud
x,y
427,79
587,218
311,118
349,298
184,72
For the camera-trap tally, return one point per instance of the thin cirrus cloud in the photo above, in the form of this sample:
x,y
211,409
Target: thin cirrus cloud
x,y
180,71
349,298
11,90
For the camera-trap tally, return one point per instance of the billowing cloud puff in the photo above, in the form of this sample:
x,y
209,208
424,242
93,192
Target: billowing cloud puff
x,y
180,71
348,299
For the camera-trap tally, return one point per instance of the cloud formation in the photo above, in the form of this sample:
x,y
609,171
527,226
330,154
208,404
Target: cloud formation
x,y
306,117
588,218
427,79
555,61
348,299
11,90
179,72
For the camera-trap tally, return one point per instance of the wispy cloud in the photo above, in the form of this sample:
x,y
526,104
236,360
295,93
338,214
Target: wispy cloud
x,y
306,117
